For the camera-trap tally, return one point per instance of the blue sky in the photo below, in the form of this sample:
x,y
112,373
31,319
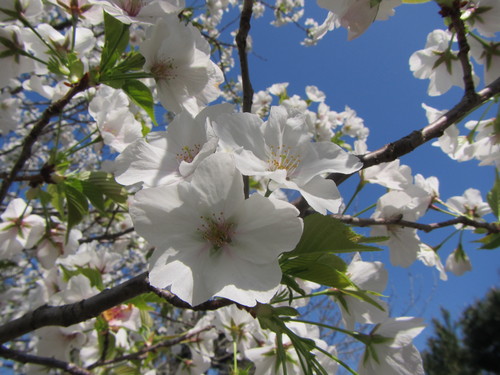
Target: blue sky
x,y
371,75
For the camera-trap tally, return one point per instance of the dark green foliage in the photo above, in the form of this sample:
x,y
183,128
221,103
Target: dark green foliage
x,y
470,346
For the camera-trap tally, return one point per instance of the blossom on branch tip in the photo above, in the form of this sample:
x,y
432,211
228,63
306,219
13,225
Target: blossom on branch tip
x,y
178,57
212,242
438,63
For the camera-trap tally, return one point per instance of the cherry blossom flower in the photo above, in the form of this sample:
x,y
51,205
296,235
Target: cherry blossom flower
x,y
19,229
110,109
147,11
430,258
25,8
486,146
55,244
366,276
266,358
483,15
179,59
438,63
390,350
458,262
357,15
488,55
123,316
172,156
280,149
410,204
391,175
9,112
470,204
14,63
211,241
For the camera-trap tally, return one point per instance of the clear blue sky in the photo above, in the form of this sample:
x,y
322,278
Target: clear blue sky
x,y
371,74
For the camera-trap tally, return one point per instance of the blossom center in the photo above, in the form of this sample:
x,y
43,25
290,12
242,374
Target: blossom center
x,y
163,70
187,153
281,157
216,230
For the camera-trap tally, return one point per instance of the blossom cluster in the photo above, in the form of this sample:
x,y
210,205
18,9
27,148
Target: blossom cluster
x,y
215,204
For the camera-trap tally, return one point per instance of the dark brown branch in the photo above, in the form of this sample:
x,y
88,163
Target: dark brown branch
x,y
405,145
177,302
86,309
365,222
74,313
52,110
108,237
463,53
19,356
241,42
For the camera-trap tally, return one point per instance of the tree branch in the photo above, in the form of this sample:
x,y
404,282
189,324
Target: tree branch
x,y
241,42
67,315
365,222
463,53
54,109
407,144
44,361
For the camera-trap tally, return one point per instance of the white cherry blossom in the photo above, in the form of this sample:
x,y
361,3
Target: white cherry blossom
x,y
211,241
172,156
133,11
369,276
357,15
458,262
430,258
280,149
410,204
393,353
19,229
438,63
179,59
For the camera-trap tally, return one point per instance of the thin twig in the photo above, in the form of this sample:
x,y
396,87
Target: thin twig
x,y
140,354
463,53
19,356
32,137
365,222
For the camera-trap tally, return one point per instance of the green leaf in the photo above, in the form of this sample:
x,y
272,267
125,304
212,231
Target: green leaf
x,y
57,193
116,37
326,234
326,269
491,241
493,198
133,61
77,204
96,185
140,95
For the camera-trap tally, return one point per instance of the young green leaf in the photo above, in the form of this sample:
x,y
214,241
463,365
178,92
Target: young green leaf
x,y
326,234
140,95
116,37
493,198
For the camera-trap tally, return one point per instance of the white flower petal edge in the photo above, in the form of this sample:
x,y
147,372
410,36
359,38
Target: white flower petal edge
x,y
210,241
